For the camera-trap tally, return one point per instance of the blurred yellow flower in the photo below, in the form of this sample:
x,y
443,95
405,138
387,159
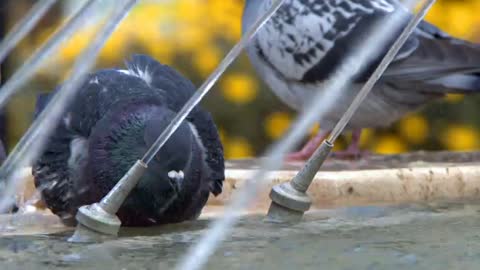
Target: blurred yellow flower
x,y
338,146
226,18
153,11
436,15
239,88
414,128
454,98
238,147
277,124
115,47
222,135
314,130
461,19
163,52
76,44
455,17
206,59
390,144
189,38
460,138
191,10
367,135
45,33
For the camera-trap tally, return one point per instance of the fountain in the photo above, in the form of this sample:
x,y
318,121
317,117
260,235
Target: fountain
x,y
289,200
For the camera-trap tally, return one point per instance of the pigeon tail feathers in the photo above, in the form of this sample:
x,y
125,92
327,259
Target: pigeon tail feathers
x,y
459,83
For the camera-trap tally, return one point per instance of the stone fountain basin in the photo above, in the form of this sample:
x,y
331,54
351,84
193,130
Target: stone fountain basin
x,y
380,179
414,211
419,177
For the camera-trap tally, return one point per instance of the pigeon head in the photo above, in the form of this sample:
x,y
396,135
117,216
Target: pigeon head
x,y
174,157
121,138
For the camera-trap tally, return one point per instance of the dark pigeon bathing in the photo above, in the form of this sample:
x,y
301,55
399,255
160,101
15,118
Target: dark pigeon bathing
x,y
115,118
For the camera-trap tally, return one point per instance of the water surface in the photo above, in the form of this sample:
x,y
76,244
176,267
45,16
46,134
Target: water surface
x,y
404,237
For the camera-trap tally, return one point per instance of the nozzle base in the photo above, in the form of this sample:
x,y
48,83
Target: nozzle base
x,y
85,235
94,224
280,214
288,204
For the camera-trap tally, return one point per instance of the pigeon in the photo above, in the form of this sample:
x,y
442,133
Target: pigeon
x,y
116,116
305,41
3,152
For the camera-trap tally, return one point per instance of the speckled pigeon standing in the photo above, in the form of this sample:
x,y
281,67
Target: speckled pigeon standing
x,y
306,40
116,117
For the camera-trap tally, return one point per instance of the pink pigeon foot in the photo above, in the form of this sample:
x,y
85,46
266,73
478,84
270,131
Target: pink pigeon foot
x,y
353,151
308,148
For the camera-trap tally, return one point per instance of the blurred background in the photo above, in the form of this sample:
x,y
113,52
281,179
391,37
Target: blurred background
x,y
193,36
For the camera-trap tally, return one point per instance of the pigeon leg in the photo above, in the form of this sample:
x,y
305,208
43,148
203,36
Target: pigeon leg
x,y
309,147
353,151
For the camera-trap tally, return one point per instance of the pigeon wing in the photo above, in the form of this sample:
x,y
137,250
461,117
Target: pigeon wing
x,y
439,58
308,40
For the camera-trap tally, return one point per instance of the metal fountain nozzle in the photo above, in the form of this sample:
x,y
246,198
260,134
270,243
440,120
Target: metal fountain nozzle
x,y
290,200
99,220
